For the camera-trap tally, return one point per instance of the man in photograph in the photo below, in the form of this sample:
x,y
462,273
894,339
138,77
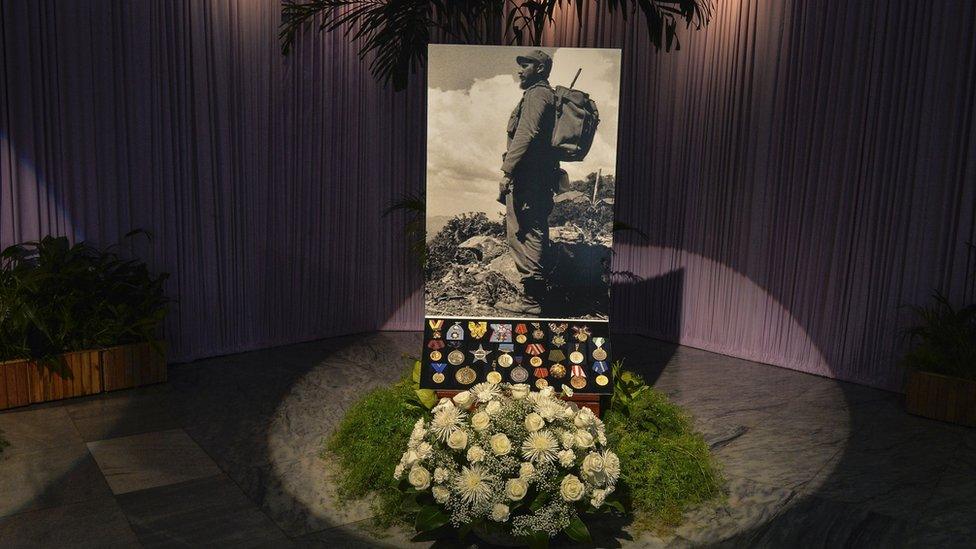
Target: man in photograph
x,y
531,173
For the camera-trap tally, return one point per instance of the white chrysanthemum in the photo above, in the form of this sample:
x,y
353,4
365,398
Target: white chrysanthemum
x,y
540,447
473,484
566,458
598,497
486,391
549,408
611,466
446,421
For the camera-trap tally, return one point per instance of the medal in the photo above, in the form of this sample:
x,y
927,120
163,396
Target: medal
x,y
558,328
537,332
477,329
455,357
576,357
435,326
581,333
465,376
438,367
556,355
578,381
599,353
558,340
536,361
501,333
557,371
435,344
600,367
494,377
541,383
520,331
505,361
534,349
480,354
455,332
602,380
435,355
519,374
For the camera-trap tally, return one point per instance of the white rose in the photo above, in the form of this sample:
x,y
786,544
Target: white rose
x,y
500,444
567,391
419,477
568,413
592,464
475,454
567,439
458,440
566,458
410,457
499,513
599,496
444,403
424,450
526,470
480,421
441,494
611,466
583,439
571,489
492,407
520,391
534,422
584,418
516,488
463,399
441,474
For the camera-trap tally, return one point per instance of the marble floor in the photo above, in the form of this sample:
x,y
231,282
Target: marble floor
x,y
226,454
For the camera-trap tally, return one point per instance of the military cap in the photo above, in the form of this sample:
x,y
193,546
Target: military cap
x,y
535,56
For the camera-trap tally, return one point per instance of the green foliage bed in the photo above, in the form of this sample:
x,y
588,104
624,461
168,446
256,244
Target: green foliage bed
x,y
666,466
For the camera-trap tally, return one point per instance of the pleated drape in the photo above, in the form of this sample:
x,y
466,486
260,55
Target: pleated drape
x,y
801,169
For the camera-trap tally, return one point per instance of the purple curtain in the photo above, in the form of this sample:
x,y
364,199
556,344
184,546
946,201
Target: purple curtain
x,y
801,169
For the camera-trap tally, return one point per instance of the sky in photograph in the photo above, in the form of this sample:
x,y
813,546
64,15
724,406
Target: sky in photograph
x,y
471,93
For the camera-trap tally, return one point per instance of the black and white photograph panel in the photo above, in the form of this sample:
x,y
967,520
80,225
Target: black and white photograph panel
x,y
521,159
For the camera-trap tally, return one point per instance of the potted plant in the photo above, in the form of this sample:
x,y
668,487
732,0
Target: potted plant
x,y
942,362
63,305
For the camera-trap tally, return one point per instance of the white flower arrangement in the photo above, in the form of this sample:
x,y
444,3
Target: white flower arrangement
x,y
502,454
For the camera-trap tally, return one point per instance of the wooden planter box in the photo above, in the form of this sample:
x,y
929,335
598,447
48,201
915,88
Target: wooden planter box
x,y
14,385
132,365
73,374
941,397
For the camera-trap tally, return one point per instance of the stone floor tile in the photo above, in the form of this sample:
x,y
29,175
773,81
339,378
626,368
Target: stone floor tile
x,y
31,429
148,460
210,511
96,523
48,478
123,413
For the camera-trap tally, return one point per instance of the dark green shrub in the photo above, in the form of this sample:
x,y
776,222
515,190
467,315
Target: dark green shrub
x,y
943,338
56,297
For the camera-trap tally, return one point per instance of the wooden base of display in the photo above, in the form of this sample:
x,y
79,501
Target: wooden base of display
x,y
587,400
80,373
941,397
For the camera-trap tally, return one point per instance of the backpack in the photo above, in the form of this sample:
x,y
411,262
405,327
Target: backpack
x,y
576,122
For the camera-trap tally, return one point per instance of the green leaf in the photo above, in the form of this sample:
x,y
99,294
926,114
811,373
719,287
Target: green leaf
x,y
427,397
415,374
538,540
430,517
539,501
577,531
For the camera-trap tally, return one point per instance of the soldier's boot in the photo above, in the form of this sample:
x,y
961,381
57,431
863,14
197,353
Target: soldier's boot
x,y
531,304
